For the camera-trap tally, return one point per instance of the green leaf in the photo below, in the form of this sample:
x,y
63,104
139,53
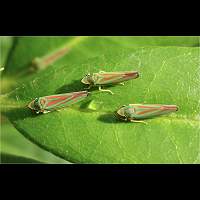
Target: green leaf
x,y
79,49
13,143
168,75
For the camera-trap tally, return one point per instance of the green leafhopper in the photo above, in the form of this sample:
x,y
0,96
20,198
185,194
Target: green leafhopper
x,y
55,102
108,78
136,112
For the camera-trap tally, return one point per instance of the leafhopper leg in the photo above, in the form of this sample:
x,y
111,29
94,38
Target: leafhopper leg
x,y
138,121
102,90
88,87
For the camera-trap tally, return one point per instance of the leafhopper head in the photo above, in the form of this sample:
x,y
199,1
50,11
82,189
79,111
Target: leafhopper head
x,y
35,105
87,79
120,113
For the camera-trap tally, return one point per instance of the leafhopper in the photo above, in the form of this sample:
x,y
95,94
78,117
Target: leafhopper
x,y
55,102
108,78
137,112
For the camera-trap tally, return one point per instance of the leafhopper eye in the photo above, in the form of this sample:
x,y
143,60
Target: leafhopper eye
x,y
36,102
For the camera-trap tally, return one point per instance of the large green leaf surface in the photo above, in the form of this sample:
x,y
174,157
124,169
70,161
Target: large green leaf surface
x,y
88,132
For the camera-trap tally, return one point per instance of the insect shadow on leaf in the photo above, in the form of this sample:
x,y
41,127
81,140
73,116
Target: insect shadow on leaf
x,y
91,105
108,118
85,105
20,113
75,86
